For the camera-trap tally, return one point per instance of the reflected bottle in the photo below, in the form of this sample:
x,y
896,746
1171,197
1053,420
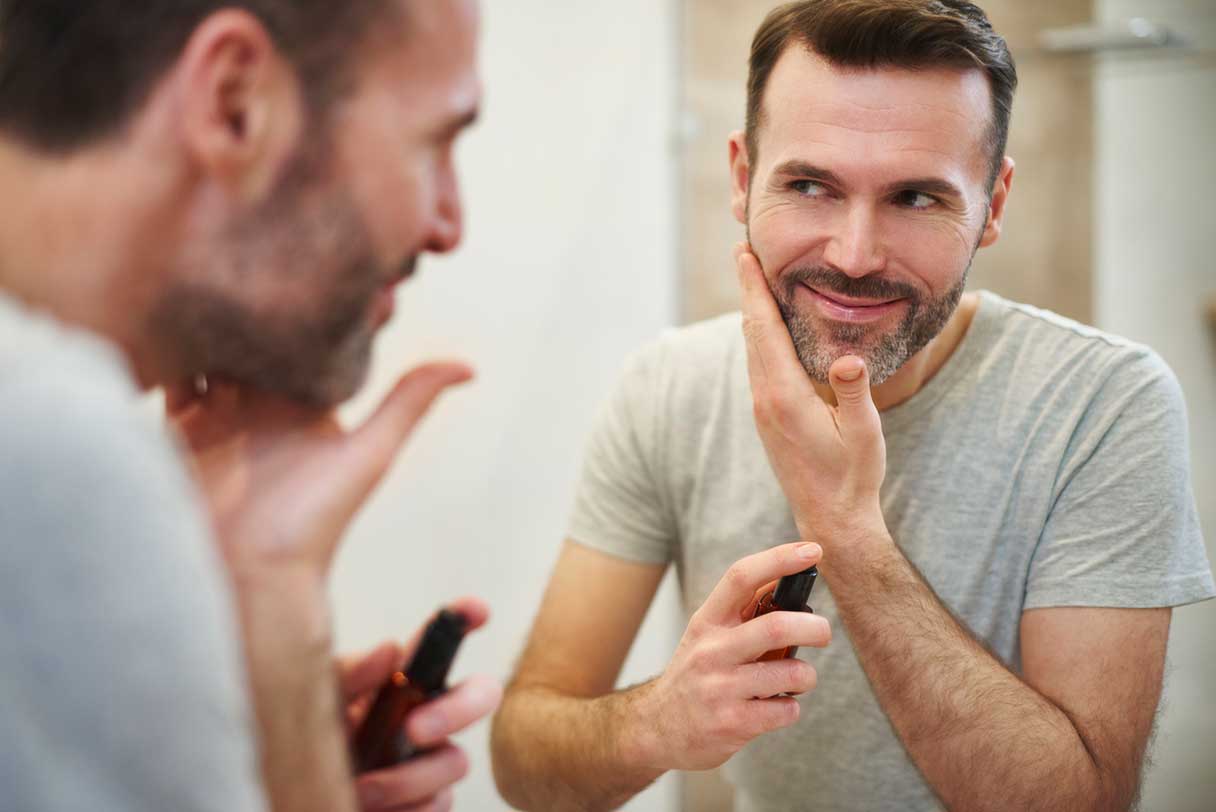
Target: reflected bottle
x,y
381,741
790,595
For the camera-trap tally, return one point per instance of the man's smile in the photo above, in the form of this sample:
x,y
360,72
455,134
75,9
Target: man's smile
x,y
838,307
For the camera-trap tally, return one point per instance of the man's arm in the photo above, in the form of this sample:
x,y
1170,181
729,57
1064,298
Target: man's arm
x,y
1070,734
561,736
563,740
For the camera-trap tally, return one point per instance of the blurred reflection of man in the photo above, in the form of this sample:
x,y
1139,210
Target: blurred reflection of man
x,y
228,193
998,497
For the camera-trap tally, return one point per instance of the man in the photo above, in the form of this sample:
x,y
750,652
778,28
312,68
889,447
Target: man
x,y
997,498
219,198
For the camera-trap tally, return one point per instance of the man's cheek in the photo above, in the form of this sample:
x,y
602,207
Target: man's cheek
x,y
783,234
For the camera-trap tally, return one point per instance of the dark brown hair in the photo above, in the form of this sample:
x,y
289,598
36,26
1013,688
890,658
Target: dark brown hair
x,y
72,71
887,33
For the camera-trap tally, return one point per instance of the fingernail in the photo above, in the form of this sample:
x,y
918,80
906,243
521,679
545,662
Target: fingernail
x,y
809,550
851,374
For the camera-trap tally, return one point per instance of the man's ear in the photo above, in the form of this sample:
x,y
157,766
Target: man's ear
x,y
740,175
239,102
996,206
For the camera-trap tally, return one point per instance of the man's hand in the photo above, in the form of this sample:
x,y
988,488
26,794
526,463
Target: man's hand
x,y
284,480
830,460
424,783
714,697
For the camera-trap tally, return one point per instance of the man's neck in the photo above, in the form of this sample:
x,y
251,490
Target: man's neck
x,y
920,368
70,242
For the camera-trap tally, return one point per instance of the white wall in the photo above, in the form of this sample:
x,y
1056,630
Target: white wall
x,y
568,265
1155,269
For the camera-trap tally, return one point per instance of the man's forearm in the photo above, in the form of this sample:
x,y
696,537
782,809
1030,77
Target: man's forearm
x,y
555,752
286,626
982,737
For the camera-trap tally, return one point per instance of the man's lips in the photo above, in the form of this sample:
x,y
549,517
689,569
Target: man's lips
x,y
838,307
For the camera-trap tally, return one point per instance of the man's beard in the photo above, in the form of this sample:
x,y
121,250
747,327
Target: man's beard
x,y
282,302
820,342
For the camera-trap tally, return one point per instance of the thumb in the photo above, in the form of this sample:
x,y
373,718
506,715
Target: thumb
x,y
363,673
856,413
379,440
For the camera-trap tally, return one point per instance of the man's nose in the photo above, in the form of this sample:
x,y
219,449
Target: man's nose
x,y
856,247
447,222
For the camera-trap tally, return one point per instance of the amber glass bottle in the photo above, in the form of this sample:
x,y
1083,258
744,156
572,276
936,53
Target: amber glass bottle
x,y
791,595
381,741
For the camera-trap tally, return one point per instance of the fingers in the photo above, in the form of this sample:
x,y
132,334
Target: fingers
x,y
858,417
475,612
768,679
772,360
414,784
377,442
738,586
363,673
468,702
777,630
774,713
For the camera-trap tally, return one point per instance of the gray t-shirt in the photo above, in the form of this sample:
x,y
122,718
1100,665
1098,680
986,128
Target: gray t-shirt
x,y
122,683
1046,464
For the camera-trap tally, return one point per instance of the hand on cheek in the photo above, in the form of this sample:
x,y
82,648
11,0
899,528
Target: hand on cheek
x,y
830,460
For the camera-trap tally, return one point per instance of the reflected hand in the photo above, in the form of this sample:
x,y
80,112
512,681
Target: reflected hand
x,y
283,480
423,783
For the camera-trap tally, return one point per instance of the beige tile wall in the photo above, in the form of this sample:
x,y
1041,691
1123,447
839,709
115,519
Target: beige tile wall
x,y
1044,255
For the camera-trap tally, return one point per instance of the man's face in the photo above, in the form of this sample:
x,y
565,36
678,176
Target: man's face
x,y
866,204
288,297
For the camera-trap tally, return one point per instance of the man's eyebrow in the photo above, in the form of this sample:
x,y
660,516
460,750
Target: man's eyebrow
x,y
808,171
932,186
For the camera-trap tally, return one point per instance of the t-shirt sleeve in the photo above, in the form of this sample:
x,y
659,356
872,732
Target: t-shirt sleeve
x,y
122,686
1124,529
620,505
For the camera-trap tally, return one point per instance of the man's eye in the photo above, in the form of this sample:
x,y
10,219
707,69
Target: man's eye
x,y
915,200
808,188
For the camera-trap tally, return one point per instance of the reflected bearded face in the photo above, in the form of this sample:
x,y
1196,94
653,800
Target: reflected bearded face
x,y
310,339
286,296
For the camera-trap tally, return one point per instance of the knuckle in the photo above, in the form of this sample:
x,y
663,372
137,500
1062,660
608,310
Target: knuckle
x,y
736,577
699,656
730,720
777,630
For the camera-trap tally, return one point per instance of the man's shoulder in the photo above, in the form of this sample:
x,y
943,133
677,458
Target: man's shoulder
x,y
1053,330
1029,340
80,447
40,356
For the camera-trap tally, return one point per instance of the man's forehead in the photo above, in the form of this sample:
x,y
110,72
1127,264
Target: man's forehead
x,y
942,111
440,24
435,56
